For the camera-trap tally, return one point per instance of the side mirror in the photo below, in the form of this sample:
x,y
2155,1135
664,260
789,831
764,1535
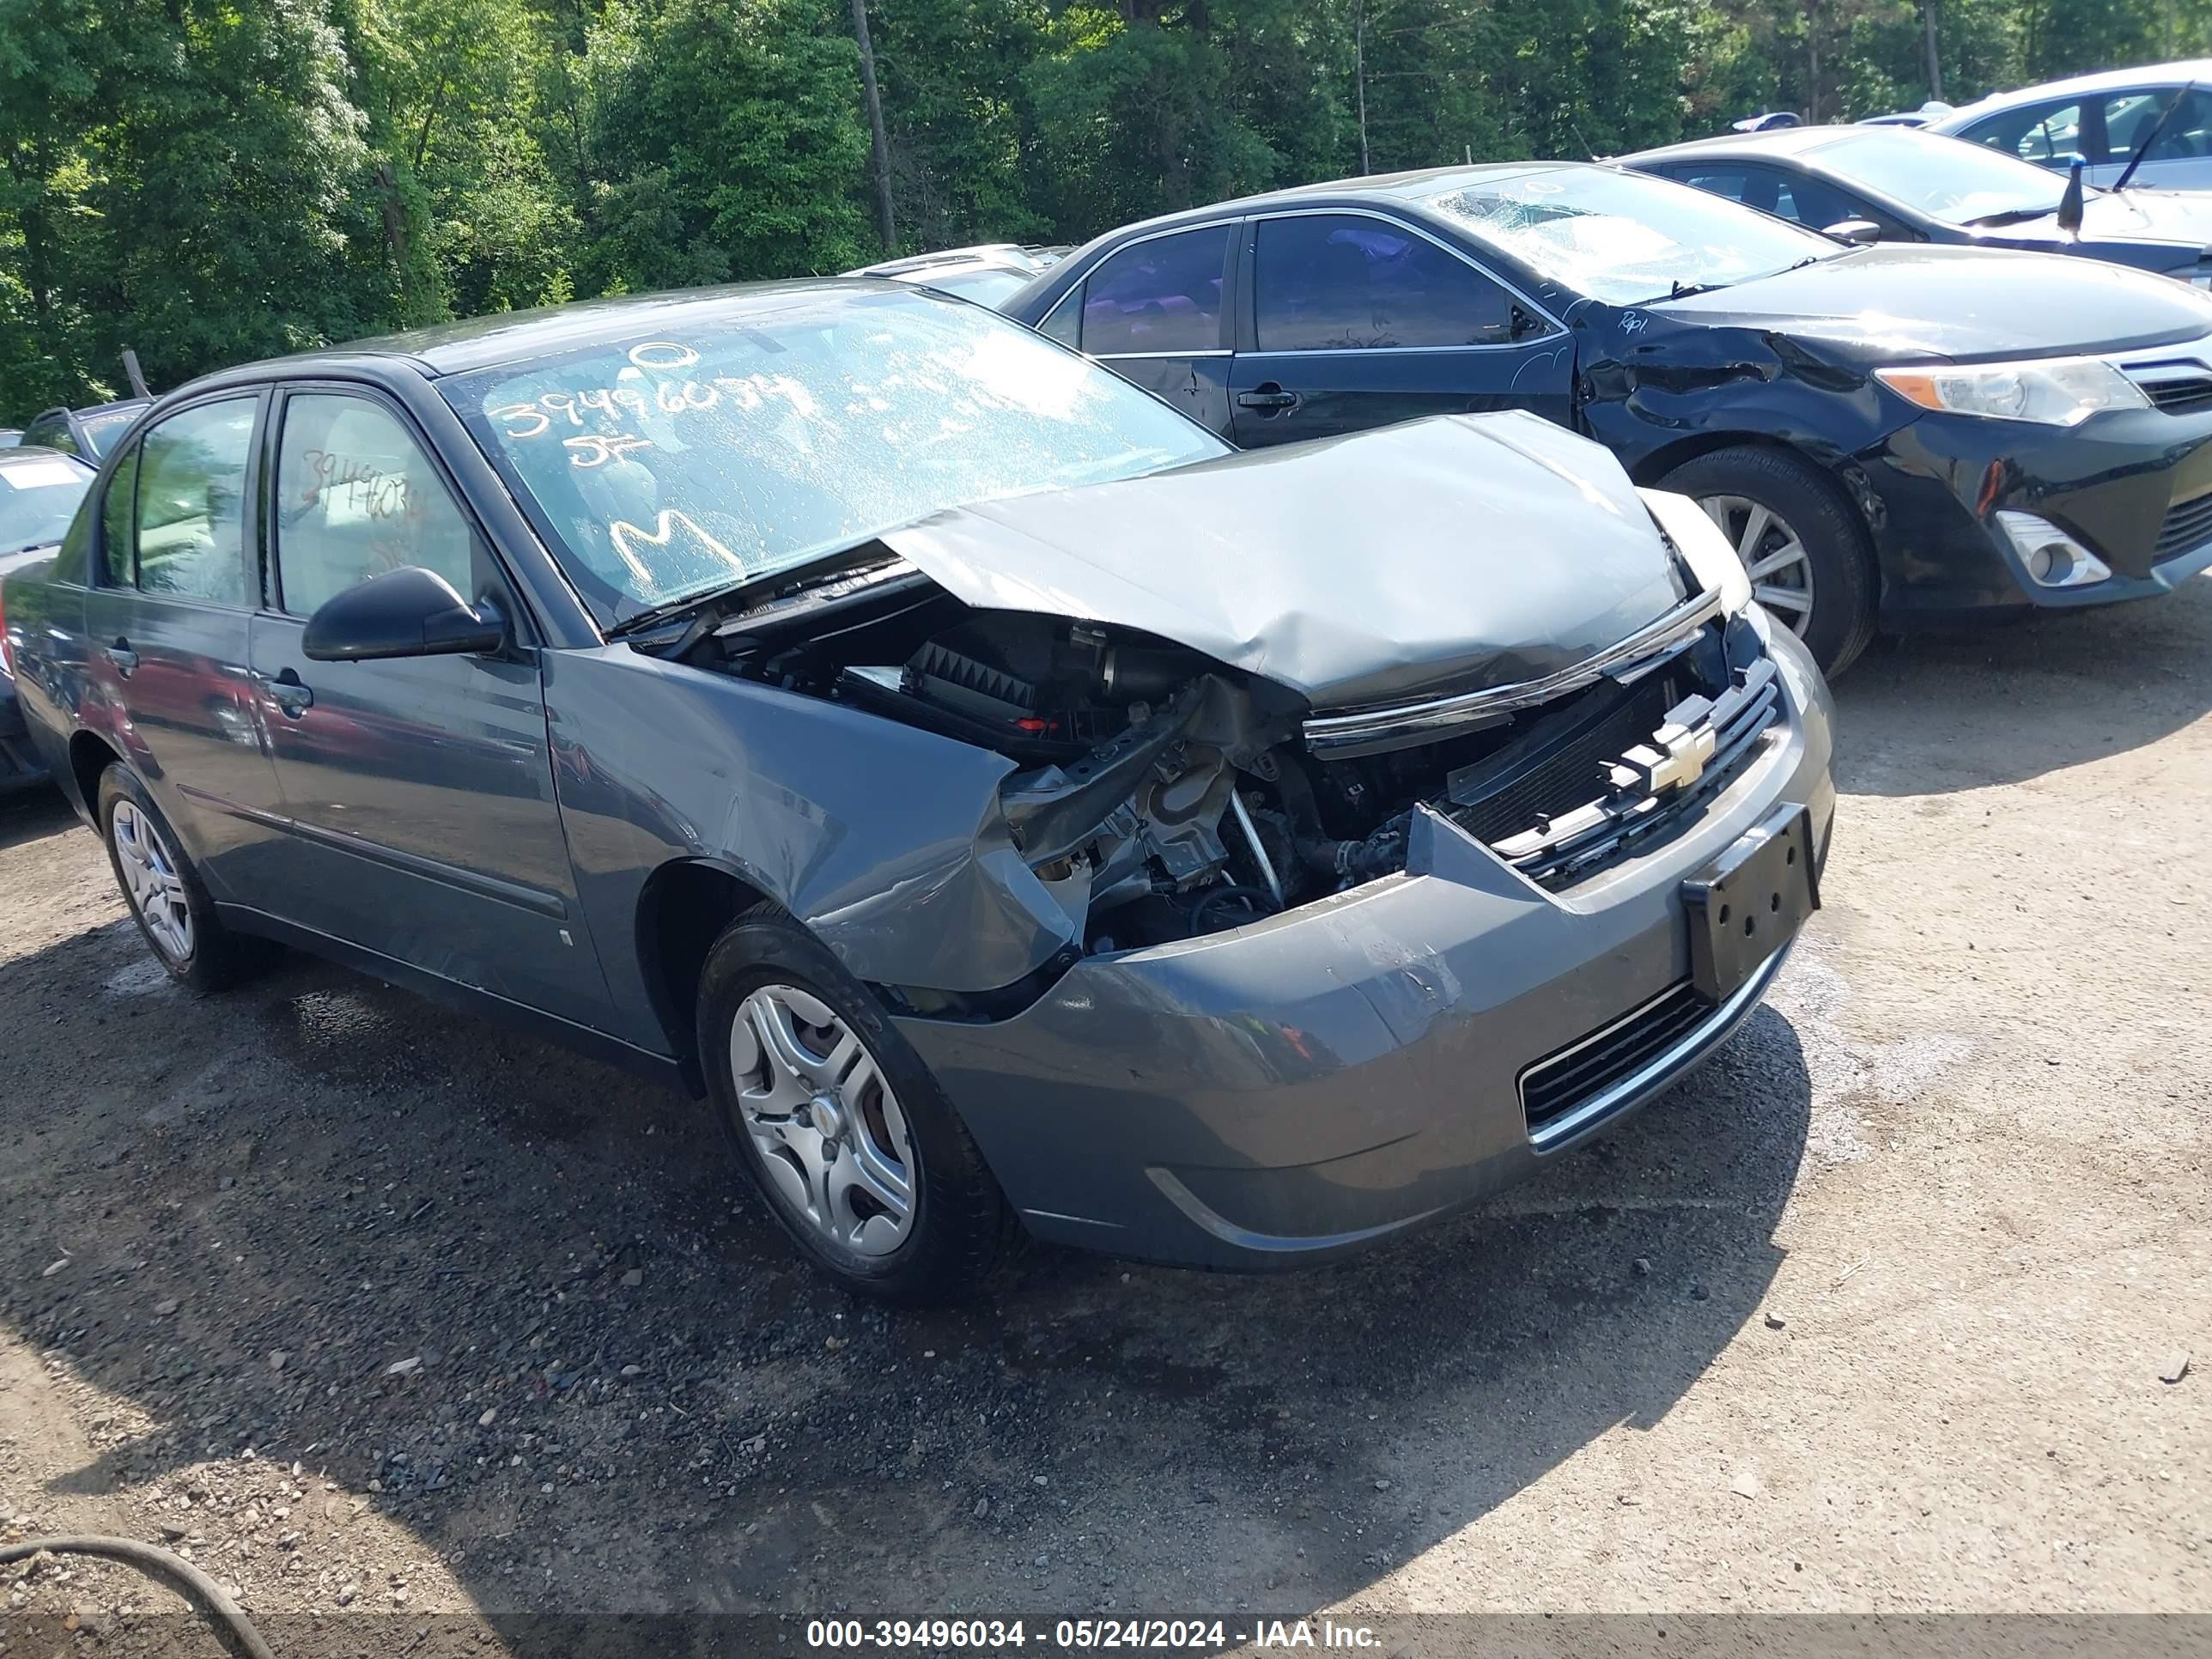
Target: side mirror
x,y
1857,232
409,612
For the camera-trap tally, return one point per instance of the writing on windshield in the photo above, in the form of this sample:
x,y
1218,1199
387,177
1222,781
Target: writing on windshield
x,y
753,444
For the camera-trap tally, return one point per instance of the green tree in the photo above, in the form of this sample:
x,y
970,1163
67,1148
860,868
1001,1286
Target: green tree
x,y
727,142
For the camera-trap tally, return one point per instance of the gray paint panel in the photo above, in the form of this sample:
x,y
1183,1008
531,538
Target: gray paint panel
x,y
885,840
1350,569
1349,1065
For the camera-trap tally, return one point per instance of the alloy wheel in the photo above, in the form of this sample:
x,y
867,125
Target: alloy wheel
x,y
1780,568
824,1120
152,883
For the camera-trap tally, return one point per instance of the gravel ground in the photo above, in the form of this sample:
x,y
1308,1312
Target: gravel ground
x,y
367,1306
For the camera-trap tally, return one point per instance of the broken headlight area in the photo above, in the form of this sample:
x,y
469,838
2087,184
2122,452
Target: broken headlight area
x,y
1158,795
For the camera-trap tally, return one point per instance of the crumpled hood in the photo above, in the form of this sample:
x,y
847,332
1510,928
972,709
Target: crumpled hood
x,y
1461,551
1902,304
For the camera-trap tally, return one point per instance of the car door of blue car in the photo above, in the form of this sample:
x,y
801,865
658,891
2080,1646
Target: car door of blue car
x,y
419,790
1154,311
1355,319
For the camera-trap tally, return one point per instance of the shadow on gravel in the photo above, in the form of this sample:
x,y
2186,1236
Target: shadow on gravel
x,y
32,814
2014,700
514,1303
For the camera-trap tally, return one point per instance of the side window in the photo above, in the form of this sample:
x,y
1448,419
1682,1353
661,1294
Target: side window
x,y
1728,181
1338,282
191,517
1163,295
355,497
50,431
118,530
1813,203
2129,117
2047,134
1065,324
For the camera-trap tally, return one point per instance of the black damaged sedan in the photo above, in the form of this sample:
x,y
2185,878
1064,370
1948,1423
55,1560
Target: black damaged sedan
x,y
1886,435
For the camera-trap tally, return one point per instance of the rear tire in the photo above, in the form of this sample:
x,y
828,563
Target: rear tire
x,y
168,900
1808,548
862,1160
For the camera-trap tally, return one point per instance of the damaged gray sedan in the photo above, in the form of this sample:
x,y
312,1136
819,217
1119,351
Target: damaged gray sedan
x,y
1009,805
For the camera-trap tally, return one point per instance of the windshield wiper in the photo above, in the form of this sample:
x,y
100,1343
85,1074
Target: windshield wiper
x,y
2012,217
1682,290
2157,131
654,615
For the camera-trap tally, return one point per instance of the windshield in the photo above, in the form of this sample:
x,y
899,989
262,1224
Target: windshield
x,y
101,431
38,498
792,427
986,285
1946,178
1625,237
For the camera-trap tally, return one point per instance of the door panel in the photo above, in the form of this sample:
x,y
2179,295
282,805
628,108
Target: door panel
x,y
419,790
1152,311
1358,322
167,623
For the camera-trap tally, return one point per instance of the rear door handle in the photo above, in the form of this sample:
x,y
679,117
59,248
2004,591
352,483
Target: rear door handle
x,y
285,690
1268,397
123,657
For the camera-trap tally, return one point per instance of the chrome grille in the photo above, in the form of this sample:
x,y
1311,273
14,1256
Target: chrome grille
x,y
1556,854
2178,388
1556,1086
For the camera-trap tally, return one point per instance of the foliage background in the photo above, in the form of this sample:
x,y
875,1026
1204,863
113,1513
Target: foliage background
x,y
210,181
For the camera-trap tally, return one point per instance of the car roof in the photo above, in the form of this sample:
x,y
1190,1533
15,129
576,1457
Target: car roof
x,y
1786,141
2150,75
18,454
475,343
83,409
999,256
1413,187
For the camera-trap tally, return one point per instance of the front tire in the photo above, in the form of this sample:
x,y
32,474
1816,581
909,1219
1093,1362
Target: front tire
x,y
1805,546
862,1160
166,897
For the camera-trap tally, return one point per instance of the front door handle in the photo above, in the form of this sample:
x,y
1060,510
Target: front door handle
x,y
1269,397
123,657
285,689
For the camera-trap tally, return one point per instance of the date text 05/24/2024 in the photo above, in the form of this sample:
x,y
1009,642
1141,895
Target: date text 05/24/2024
x,y
1016,1635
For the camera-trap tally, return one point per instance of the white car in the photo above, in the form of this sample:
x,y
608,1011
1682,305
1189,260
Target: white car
x,y
2101,121
987,274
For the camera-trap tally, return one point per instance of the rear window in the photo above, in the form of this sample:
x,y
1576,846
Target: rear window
x,y
39,496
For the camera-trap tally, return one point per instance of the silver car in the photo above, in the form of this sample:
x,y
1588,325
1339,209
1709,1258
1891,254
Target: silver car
x,y
2102,121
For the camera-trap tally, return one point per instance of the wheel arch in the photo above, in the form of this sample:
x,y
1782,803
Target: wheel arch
x,y
89,755
682,908
1651,469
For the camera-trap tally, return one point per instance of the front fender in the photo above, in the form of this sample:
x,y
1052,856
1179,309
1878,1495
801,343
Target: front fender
x,y
886,840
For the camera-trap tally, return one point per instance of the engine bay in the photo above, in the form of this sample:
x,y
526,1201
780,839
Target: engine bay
x,y
1160,795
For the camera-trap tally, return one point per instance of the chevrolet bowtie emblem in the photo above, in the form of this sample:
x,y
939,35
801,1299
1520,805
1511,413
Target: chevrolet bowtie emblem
x,y
1675,759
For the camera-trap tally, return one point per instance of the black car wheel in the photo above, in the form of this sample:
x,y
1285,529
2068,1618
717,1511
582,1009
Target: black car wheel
x,y
167,898
1799,537
858,1151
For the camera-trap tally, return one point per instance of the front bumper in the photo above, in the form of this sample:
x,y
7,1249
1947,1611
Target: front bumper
x,y
1338,1073
2124,484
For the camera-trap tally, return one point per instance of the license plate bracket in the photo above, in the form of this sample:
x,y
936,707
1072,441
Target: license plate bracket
x,y
1749,901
